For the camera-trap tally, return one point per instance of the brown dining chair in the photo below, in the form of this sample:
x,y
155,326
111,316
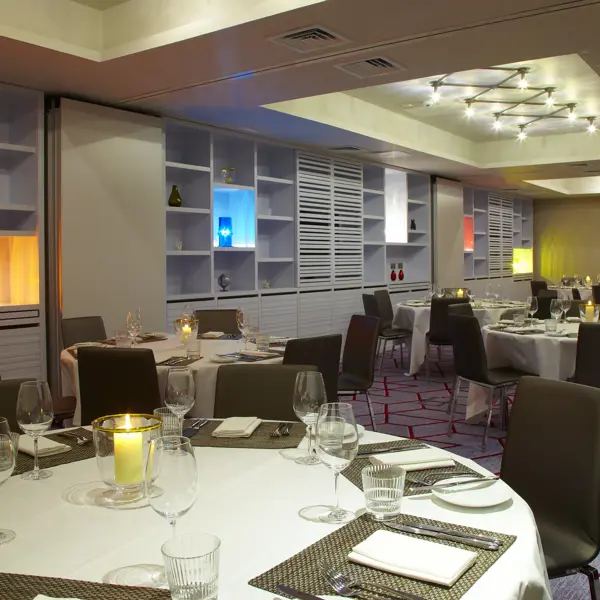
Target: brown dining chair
x,y
586,361
576,293
464,309
82,329
116,381
323,352
218,319
596,294
263,391
358,360
9,393
537,286
387,329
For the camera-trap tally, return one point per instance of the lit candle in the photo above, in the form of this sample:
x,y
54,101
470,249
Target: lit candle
x,y
460,293
128,456
589,312
588,281
186,330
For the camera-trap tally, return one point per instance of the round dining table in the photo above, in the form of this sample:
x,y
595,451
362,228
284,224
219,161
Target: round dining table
x,y
251,500
567,292
204,370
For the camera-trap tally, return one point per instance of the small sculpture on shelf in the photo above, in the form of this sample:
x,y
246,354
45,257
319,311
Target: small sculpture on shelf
x,y
224,282
175,197
400,271
225,232
179,245
413,225
392,272
228,174
266,284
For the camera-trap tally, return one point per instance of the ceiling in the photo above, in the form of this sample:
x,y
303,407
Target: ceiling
x,y
215,62
100,4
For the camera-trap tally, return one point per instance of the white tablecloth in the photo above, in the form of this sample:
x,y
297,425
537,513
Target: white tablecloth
x,y
247,497
567,292
205,371
416,318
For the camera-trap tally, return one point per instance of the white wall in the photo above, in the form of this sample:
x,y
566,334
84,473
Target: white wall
x,y
112,214
448,243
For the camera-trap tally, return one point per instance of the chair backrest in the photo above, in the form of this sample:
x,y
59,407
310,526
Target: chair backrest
x,y
263,391
586,362
218,319
547,294
371,307
9,392
537,286
576,294
438,319
552,453
470,360
323,352
464,308
116,380
386,311
596,294
360,347
574,309
82,329
543,311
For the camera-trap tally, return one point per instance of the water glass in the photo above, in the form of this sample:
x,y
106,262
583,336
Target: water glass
x,y
180,396
122,339
170,421
8,459
194,349
519,318
309,395
134,324
551,325
263,341
192,566
555,308
384,487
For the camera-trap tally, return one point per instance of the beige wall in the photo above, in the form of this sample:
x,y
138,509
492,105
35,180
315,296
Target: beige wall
x,y
566,233
112,215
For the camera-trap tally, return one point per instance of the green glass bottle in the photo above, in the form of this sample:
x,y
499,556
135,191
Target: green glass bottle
x,y
175,197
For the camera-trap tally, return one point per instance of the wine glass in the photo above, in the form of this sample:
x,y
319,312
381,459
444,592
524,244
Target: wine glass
x,y
180,396
532,306
14,436
243,324
309,395
337,445
134,324
556,308
7,465
488,290
565,305
497,292
34,416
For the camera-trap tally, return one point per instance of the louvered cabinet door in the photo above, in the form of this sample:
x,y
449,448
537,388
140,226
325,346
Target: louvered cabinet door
x,y
279,315
314,313
20,353
495,219
507,236
347,223
315,188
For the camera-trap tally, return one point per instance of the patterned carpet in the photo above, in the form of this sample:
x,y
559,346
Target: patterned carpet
x,y
409,406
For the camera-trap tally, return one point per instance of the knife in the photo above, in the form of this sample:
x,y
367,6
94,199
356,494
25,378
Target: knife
x,y
444,536
456,532
290,591
451,484
388,450
193,429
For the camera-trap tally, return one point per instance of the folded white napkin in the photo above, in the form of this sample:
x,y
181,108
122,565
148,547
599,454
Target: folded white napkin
x,y
412,557
415,460
46,447
212,334
237,427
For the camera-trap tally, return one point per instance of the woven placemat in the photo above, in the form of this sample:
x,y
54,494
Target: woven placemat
x,y
259,439
353,472
27,587
301,571
77,452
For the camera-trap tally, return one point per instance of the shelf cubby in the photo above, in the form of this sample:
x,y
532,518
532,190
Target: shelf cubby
x,y
374,265
275,239
275,164
237,153
277,200
281,275
194,187
187,147
239,265
239,205
373,179
188,274
193,230
374,231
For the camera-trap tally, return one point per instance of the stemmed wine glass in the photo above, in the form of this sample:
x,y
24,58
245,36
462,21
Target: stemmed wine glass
x,y
7,465
180,396
309,395
532,306
134,324
565,304
488,291
34,416
556,308
337,445
243,325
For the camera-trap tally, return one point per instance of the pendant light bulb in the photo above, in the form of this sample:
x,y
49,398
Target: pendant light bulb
x,y
522,133
435,95
469,111
497,126
592,125
572,116
550,98
522,85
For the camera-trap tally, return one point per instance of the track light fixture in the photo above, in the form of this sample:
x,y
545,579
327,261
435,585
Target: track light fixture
x,y
497,126
571,116
435,95
592,125
469,111
549,97
522,133
523,85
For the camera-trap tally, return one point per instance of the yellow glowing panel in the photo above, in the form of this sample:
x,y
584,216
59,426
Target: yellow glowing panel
x,y
522,260
19,270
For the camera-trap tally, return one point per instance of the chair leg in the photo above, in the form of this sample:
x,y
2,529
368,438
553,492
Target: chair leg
x,y
504,409
452,404
382,355
592,575
402,354
489,419
439,351
371,413
427,366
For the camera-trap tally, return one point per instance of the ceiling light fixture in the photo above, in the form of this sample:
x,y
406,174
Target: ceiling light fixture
x,y
469,111
523,85
435,95
522,133
592,125
571,116
550,97
497,126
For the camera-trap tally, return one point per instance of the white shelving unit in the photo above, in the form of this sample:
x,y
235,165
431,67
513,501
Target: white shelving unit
x,y
475,205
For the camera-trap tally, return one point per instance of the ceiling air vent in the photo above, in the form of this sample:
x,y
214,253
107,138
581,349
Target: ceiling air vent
x,y
582,164
372,67
309,40
347,149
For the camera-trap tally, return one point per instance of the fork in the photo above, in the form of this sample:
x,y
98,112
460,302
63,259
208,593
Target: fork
x,y
277,431
80,439
422,481
286,430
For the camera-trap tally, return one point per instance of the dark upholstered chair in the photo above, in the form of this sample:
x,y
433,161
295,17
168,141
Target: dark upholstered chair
x,y
9,392
552,294
537,286
116,380
263,391
464,309
596,294
552,460
323,352
220,319
358,361
543,311
470,364
438,334
576,294
82,329
588,348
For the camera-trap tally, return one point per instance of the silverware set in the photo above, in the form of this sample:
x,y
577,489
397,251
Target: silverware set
x,y
363,453
453,484
174,361
193,429
282,430
81,441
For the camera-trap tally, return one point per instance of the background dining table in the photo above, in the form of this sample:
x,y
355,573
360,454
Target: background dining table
x,y
567,292
204,370
248,497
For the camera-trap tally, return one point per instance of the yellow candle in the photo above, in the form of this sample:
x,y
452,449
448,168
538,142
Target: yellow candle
x,y
129,457
459,294
588,280
186,330
589,312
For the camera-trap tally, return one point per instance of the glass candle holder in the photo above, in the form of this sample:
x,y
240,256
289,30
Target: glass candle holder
x,y
122,443
186,328
588,313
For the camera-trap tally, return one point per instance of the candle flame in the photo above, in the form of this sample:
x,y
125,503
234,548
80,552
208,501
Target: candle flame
x,y
127,422
589,302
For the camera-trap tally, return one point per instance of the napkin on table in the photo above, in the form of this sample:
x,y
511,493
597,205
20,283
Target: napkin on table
x,y
237,427
415,460
411,557
46,447
42,597
212,334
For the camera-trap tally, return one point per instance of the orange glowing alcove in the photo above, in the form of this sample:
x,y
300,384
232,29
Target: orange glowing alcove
x,y
19,270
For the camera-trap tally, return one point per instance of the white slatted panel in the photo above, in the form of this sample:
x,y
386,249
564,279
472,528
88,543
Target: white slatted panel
x,y
249,304
495,234
174,310
279,315
315,188
507,236
314,313
20,353
347,222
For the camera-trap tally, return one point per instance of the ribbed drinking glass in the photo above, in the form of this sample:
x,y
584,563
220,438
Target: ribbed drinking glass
x,y
384,488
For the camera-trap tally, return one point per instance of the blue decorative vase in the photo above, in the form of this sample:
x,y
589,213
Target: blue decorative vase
x,y
225,232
